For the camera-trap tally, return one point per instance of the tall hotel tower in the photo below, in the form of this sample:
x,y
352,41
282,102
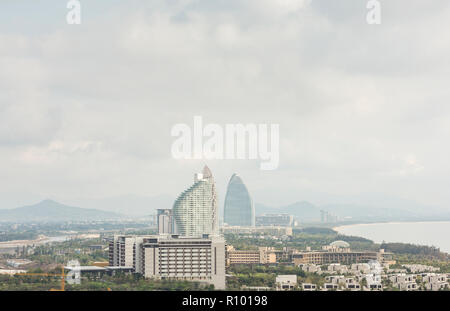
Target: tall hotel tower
x,y
195,211
239,209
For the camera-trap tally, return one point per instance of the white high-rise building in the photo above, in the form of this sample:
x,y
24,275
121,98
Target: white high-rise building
x,y
195,211
121,251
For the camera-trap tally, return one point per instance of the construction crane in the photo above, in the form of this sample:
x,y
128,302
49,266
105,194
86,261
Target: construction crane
x,y
62,275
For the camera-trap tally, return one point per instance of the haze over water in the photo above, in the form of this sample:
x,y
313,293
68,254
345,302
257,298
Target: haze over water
x,y
422,233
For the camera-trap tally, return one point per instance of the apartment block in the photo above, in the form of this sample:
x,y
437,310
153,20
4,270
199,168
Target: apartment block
x,y
324,257
172,257
263,255
165,221
121,251
404,282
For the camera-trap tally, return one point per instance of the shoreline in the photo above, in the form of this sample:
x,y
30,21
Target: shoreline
x,y
433,233
387,223
20,243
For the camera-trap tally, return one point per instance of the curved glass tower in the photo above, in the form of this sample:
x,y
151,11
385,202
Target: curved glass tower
x,y
195,210
239,209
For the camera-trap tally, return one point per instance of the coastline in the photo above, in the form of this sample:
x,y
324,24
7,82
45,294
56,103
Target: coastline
x,y
39,241
426,233
387,223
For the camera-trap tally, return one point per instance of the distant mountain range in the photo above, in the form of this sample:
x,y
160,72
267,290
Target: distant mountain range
x,y
51,211
137,206
129,205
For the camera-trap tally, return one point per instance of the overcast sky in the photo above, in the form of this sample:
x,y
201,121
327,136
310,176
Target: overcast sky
x,y
86,110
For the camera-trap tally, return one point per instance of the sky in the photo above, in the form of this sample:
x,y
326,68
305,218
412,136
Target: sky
x,y
86,111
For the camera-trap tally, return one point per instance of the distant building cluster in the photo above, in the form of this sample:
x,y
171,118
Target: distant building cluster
x,y
327,217
365,277
342,269
281,220
16,263
335,254
368,276
272,230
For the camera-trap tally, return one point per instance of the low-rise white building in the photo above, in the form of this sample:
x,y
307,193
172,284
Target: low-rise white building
x,y
311,268
337,267
374,281
286,282
432,277
11,272
360,268
309,287
416,268
330,286
435,282
406,282
335,279
351,284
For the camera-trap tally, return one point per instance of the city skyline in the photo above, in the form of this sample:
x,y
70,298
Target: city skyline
x,y
224,154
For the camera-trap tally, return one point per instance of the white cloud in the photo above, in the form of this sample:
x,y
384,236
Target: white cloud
x,y
90,107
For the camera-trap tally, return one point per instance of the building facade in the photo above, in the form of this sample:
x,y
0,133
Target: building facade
x,y
199,259
195,211
286,282
121,250
165,221
264,255
239,209
321,258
